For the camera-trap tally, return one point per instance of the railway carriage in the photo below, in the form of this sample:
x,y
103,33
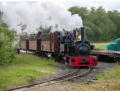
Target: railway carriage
x,y
49,42
23,42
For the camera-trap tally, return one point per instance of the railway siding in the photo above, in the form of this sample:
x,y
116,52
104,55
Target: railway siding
x,y
105,55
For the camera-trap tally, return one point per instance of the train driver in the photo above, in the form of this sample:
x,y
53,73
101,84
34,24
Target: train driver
x,y
71,39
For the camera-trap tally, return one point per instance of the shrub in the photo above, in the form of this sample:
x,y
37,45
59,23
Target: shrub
x,y
7,51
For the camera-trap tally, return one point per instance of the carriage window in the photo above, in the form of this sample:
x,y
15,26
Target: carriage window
x,y
32,37
45,37
23,38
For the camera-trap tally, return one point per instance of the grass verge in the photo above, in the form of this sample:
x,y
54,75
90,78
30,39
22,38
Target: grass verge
x,y
101,46
24,70
107,81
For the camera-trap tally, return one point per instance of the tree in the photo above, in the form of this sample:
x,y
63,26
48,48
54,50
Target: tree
x,y
7,51
83,11
99,24
40,28
0,17
115,17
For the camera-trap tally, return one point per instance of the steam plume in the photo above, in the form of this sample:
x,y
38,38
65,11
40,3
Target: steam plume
x,y
34,14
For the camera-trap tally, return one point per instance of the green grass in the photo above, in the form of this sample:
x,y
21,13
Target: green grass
x,y
101,46
110,75
107,81
24,70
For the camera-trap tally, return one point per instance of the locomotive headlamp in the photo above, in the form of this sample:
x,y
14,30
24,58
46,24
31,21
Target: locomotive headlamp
x,y
73,60
94,60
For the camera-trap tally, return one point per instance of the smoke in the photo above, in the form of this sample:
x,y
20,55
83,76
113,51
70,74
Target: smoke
x,y
34,14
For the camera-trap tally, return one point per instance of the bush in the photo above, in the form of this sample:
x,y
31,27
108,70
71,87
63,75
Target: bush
x,y
7,51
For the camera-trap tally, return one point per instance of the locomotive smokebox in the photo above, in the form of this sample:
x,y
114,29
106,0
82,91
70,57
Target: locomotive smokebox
x,y
82,33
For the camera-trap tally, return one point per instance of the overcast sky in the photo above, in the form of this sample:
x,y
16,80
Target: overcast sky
x,y
34,13
107,4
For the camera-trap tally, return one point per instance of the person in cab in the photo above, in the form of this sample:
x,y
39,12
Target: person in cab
x,y
79,37
71,39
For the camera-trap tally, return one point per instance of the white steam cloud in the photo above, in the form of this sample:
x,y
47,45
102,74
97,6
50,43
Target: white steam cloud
x,y
34,14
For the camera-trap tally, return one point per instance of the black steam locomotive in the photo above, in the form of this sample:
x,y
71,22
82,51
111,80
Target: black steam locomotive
x,y
79,53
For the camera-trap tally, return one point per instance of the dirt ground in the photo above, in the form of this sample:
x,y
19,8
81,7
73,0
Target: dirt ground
x,y
67,86
59,87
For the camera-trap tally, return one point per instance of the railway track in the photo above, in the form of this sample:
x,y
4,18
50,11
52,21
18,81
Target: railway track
x,y
68,76
75,76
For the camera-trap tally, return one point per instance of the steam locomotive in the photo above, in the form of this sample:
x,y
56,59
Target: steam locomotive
x,y
55,45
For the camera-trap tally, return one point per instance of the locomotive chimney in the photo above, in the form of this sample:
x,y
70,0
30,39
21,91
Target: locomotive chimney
x,y
82,33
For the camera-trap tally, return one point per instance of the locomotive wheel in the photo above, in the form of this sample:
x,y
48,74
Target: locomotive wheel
x,y
106,58
57,58
66,64
117,59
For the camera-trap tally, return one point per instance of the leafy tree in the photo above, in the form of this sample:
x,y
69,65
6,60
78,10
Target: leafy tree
x,y
83,11
40,28
115,17
0,17
99,25
7,51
